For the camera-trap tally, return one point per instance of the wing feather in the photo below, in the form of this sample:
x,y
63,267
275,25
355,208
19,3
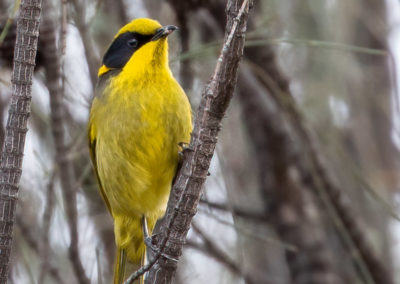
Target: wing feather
x,y
92,150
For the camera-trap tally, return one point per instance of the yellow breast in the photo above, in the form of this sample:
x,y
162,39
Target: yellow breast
x,y
138,125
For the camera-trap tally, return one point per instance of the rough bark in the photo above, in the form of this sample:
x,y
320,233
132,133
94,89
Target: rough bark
x,y
14,141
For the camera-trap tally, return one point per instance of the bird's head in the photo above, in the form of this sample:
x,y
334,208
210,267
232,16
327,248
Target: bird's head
x,y
139,45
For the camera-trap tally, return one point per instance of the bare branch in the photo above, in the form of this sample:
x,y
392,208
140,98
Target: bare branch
x,y
64,25
182,10
63,161
187,189
14,140
48,212
83,28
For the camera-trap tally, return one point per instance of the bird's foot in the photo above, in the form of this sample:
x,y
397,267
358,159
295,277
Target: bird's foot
x,y
153,249
185,147
151,242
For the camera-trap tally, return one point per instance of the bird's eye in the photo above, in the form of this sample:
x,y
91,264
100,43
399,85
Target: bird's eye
x,y
132,42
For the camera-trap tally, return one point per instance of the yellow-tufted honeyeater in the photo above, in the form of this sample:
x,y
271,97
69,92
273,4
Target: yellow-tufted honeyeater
x,y
138,118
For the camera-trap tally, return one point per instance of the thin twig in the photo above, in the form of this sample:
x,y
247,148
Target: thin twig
x,y
48,212
182,10
64,25
89,49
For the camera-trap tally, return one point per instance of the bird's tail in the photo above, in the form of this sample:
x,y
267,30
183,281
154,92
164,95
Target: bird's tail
x,y
130,246
119,268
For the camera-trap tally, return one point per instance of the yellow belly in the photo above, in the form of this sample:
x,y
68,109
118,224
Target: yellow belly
x,y
137,130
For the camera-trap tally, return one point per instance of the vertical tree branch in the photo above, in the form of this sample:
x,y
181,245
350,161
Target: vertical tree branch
x,y
182,10
89,49
187,189
48,212
63,160
14,141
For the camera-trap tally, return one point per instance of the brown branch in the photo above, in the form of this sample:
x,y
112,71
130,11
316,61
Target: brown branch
x,y
121,9
64,25
87,41
14,140
182,10
187,189
63,160
48,212
116,8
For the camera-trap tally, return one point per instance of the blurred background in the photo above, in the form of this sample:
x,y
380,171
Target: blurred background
x,y
304,185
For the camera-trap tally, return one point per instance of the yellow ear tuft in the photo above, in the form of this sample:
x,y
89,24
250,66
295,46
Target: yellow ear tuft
x,y
103,69
143,26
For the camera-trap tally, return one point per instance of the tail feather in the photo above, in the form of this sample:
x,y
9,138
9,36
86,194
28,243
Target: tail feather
x,y
119,268
142,263
131,249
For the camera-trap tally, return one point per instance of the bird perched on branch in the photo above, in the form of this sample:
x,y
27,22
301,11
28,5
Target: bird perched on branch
x,y
138,118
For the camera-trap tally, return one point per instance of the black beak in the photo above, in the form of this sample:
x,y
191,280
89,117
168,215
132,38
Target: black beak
x,y
163,32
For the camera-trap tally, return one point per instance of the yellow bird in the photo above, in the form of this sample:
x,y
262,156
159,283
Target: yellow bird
x,y
138,118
